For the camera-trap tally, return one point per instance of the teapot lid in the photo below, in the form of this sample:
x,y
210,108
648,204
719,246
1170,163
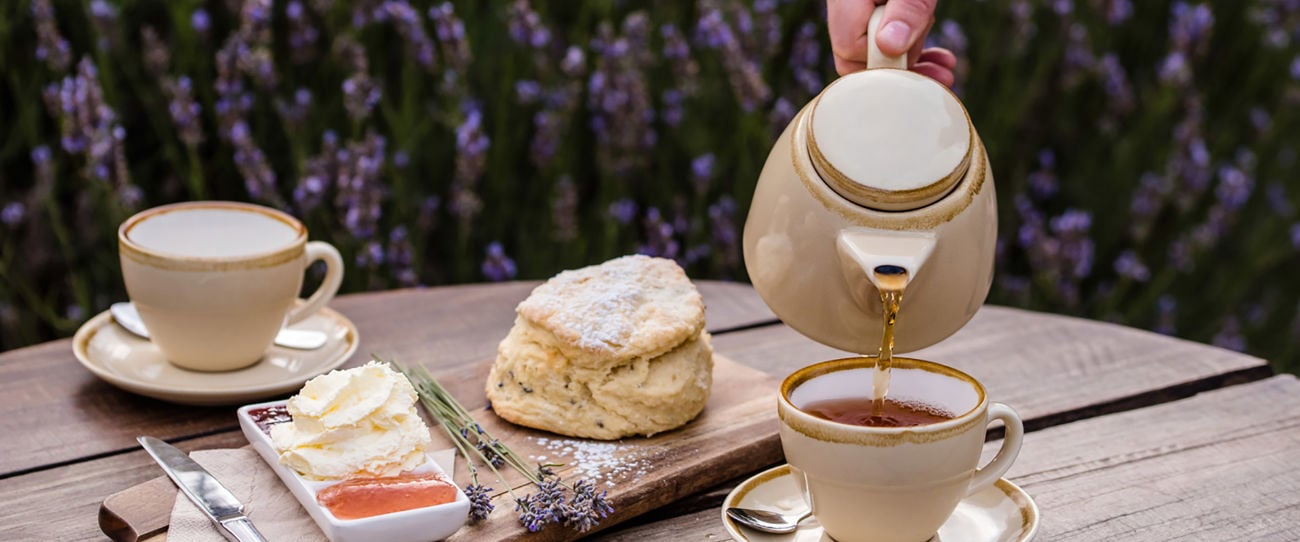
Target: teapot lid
x,y
889,139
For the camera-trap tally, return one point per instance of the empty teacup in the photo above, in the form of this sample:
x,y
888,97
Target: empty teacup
x,y
891,472
215,281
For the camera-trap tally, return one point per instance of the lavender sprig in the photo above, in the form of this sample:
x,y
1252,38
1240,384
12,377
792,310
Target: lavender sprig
x,y
577,504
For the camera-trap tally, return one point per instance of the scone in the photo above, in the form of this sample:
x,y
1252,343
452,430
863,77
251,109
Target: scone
x,y
605,352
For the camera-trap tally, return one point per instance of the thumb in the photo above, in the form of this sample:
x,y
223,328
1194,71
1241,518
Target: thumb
x,y
904,22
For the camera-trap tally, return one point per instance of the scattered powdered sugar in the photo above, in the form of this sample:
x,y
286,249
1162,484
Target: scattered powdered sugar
x,y
595,461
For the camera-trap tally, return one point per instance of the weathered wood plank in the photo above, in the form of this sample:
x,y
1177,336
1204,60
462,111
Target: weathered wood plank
x,y
1217,466
65,413
1050,368
63,503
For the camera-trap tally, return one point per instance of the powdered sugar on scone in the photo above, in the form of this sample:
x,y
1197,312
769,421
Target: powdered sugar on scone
x,y
626,307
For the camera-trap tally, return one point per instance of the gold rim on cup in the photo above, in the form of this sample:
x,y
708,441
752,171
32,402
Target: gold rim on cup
x,y
831,431
178,262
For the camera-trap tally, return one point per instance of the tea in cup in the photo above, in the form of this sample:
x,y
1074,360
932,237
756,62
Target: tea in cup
x,y
890,472
215,281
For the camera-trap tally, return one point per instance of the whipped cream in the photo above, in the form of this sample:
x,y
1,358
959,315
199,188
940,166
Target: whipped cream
x,y
354,423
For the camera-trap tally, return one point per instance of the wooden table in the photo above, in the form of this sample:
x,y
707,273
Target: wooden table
x,y
1132,435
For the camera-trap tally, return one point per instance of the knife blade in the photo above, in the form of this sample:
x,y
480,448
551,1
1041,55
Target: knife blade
x,y
203,490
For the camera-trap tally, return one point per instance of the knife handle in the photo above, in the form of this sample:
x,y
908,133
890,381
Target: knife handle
x,y
240,529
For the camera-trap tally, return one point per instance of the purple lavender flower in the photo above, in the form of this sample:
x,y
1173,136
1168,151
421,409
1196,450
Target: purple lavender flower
x,y
526,26
471,160
453,43
1229,336
528,91
157,55
806,59
303,33
184,109
480,502
618,96
295,112
1118,11
1063,7
1128,265
1079,58
1043,183
1174,70
50,45
360,95
1166,315
659,236
200,21
1189,26
623,211
672,112
498,267
1295,68
1115,82
782,113
13,214
104,17
1295,235
89,126
574,63
702,172
742,66
724,233
1234,188
411,28
685,69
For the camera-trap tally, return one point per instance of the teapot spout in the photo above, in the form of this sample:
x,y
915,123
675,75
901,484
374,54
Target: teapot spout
x,y
862,250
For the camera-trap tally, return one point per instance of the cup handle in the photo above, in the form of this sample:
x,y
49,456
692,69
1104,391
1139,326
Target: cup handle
x,y
1015,432
322,251
875,57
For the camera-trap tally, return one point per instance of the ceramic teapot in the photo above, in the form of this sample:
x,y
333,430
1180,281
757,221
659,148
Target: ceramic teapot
x,y
882,168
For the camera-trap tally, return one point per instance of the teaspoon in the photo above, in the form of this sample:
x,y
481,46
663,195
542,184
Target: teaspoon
x,y
299,339
766,520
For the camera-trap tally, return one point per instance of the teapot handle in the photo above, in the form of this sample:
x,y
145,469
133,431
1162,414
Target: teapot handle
x,y
875,57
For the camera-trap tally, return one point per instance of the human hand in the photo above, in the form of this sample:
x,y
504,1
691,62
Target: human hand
x,y
903,30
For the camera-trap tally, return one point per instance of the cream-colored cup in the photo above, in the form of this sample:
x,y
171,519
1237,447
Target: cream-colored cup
x,y
215,281
891,484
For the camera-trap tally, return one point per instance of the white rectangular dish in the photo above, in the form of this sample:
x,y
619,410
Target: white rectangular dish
x,y
415,525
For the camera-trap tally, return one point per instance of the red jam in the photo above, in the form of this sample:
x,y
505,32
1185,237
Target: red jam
x,y
265,417
366,497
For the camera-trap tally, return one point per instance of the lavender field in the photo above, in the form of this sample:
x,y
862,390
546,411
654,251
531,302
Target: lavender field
x,y
1144,152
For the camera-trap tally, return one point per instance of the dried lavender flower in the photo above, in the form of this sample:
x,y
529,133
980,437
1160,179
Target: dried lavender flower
x,y
480,502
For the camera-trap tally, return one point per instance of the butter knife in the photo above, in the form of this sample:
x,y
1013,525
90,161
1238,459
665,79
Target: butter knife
x,y
204,490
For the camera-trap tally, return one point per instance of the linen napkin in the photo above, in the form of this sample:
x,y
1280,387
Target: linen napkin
x,y
268,503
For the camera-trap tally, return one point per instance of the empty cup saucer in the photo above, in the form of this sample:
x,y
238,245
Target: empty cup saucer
x,y
136,365
1001,513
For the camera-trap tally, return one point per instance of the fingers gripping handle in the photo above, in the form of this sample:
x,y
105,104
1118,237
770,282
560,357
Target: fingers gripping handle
x,y
318,250
875,57
1015,432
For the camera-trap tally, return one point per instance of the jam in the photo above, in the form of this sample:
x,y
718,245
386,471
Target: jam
x,y
265,417
366,497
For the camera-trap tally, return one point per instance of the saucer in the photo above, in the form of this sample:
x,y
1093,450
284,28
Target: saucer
x,y
1001,513
137,365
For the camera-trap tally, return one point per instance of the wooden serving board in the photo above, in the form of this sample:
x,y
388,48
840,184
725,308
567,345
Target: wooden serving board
x,y
736,434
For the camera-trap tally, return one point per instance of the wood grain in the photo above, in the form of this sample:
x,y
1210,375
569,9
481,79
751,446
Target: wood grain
x,y
734,435
67,414
1217,466
1050,368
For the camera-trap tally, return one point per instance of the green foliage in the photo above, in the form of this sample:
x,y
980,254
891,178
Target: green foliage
x,y
1143,152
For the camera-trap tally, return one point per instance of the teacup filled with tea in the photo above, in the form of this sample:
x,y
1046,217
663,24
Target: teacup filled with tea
x,y
891,469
